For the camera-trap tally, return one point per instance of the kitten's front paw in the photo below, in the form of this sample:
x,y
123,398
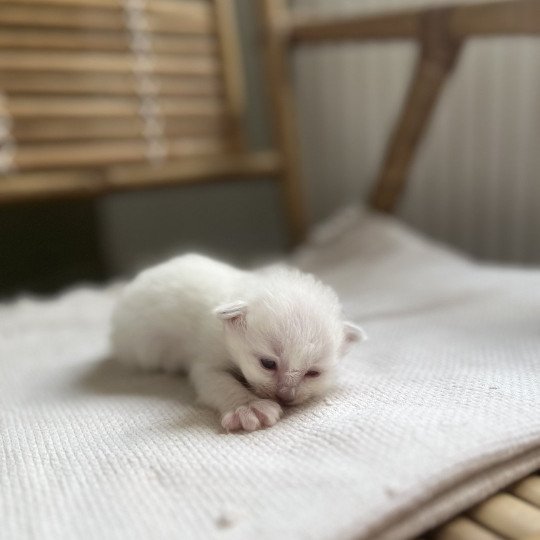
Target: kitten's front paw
x,y
256,415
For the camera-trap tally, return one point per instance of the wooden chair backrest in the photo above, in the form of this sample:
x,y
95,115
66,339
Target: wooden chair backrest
x,y
440,33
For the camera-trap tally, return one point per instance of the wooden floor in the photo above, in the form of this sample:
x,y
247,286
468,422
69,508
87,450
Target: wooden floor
x,y
513,513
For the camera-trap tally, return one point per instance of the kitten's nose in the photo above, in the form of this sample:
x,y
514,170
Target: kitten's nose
x,y
286,394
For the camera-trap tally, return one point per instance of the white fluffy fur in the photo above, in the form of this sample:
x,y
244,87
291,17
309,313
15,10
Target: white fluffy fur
x,y
216,322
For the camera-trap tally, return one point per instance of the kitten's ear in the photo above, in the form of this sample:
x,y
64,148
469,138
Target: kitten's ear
x,y
351,334
233,313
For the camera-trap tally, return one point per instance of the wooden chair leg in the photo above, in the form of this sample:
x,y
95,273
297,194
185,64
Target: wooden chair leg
x,y
275,24
438,55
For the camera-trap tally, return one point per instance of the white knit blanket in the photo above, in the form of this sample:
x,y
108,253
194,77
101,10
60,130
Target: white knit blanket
x,y
438,409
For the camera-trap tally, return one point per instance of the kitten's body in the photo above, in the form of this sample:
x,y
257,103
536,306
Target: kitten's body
x,y
165,319
218,324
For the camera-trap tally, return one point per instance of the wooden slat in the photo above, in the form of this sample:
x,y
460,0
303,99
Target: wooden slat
x,y
391,26
22,14
48,130
50,156
179,44
106,62
510,17
185,8
463,528
508,515
27,186
156,6
103,4
40,39
95,154
173,22
67,40
528,489
175,17
90,107
113,84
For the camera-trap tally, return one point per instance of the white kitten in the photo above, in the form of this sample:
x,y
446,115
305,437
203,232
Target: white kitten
x,y
247,339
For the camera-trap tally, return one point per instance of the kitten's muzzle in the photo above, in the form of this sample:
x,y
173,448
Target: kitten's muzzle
x,y
286,394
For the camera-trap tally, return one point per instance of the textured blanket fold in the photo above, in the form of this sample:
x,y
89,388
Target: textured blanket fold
x,y
440,408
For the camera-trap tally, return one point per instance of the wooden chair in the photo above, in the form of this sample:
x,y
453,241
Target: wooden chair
x,y
98,96
441,34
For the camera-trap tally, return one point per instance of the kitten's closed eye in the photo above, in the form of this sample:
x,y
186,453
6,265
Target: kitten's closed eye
x,y
268,364
313,373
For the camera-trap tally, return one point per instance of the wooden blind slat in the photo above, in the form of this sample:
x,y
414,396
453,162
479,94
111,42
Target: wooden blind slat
x,y
21,14
32,83
49,39
110,62
183,44
76,108
72,40
108,84
96,154
181,17
106,128
193,8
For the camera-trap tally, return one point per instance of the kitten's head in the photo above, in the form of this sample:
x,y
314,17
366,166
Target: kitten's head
x,y
287,336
